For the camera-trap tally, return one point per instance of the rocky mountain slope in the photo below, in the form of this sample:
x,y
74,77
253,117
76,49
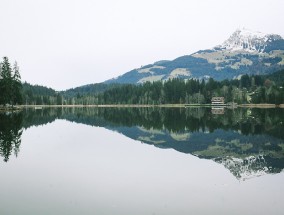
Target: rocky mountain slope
x,y
244,52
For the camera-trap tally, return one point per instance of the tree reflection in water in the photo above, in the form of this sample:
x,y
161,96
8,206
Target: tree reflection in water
x,y
10,134
249,142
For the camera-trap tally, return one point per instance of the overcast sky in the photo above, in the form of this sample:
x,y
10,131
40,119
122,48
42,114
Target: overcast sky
x,y
68,43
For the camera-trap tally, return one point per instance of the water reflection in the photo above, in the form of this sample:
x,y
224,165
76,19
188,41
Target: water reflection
x,y
249,142
10,134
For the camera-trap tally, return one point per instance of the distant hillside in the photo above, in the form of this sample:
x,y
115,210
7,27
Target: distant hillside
x,y
90,89
35,94
41,95
245,52
276,77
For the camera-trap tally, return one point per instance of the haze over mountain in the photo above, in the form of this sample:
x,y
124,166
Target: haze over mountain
x,y
244,52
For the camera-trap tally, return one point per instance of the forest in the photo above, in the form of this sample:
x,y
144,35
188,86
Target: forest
x,y
249,89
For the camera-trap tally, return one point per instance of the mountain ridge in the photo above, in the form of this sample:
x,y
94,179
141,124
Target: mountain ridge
x,y
244,52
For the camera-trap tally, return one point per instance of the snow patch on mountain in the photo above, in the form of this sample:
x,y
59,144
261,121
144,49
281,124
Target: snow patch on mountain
x,y
248,40
222,57
151,78
247,168
242,62
179,72
180,136
149,70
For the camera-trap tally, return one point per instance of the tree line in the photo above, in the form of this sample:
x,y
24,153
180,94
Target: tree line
x,y
248,89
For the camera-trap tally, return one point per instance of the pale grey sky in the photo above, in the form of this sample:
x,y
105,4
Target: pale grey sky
x,y
68,43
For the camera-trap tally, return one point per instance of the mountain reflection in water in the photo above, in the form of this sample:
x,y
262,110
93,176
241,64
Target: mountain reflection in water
x,y
248,142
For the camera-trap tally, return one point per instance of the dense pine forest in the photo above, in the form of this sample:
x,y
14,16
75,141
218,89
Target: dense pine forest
x,y
249,89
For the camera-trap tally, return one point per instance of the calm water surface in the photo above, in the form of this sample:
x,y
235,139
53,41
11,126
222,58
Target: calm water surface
x,y
142,161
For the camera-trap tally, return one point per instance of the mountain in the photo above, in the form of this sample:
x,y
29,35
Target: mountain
x,y
244,52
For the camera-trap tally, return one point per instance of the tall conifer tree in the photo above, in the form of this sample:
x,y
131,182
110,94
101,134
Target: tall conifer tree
x,y
17,85
10,83
6,81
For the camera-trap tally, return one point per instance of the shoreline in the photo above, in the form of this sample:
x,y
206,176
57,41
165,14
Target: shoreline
x,y
261,106
21,107
144,105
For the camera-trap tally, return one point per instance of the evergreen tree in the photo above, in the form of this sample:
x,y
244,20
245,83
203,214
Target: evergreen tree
x,y
6,81
10,83
17,86
1,86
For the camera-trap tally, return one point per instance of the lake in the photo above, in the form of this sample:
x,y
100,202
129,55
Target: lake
x,y
142,161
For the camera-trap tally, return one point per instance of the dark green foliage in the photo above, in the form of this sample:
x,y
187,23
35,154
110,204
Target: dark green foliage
x,y
38,95
16,86
276,77
10,134
173,91
5,81
245,81
10,83
89,89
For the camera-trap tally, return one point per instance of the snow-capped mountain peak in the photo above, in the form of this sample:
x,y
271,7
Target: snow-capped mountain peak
x,y
245,52
248,40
